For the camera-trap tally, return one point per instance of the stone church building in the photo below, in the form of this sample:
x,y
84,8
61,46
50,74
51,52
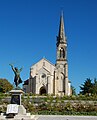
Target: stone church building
x,y
46,78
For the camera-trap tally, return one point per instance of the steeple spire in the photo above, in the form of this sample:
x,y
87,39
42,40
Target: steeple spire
x,y
61,36
61,73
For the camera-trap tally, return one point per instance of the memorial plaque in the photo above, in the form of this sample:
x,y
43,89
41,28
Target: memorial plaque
x,y
15,99
12,108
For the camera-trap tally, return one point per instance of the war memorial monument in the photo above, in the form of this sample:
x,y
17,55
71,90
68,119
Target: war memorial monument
x,y
15,109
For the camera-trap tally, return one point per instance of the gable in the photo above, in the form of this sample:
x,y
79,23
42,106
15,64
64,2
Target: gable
x,y
43,60
43,71
43,63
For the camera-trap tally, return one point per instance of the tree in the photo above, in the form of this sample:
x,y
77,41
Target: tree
x,y
95,86
87,87
73,90
5,85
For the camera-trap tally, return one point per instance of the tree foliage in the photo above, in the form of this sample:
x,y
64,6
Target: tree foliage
x,y
73,90
89,87
5,85
95,86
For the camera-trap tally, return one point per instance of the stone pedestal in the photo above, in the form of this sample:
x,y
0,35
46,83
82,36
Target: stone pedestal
x,y
16,110
16,96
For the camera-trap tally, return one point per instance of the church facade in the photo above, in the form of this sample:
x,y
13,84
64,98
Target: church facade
x,y
46,78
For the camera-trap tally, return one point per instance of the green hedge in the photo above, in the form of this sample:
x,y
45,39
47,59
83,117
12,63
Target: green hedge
x,y
45,112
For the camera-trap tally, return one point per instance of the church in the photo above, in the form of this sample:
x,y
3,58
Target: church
x,y
47,78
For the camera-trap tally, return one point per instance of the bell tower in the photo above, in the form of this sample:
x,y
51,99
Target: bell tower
x,y
61,72
61,42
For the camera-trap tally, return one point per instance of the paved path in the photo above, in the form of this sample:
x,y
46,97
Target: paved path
x,y
63,117
58,117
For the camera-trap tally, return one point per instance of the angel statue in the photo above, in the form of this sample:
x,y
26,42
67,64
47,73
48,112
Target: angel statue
x,y
17,78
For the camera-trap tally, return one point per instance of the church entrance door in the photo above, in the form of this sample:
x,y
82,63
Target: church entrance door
x,y
42,91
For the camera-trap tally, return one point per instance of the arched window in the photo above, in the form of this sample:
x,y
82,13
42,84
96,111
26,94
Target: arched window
x,y
62,53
